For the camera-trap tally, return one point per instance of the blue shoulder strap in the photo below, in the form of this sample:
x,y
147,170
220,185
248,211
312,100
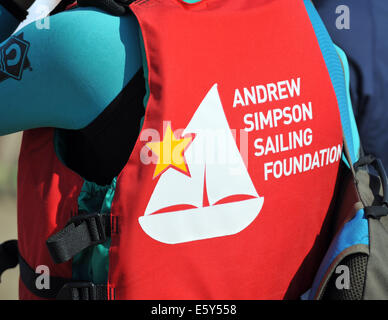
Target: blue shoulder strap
x,y
355,232
338,69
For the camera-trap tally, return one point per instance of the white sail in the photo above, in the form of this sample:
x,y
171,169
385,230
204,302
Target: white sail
x,y
226,174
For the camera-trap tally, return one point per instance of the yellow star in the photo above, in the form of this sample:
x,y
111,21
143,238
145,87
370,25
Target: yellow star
x,y
170,152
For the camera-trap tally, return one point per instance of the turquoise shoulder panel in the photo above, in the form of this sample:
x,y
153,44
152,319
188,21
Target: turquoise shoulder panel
x,y
353,126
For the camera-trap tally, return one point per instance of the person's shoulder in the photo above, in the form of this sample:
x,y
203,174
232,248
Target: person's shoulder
x,y
91,24
85,40
80,27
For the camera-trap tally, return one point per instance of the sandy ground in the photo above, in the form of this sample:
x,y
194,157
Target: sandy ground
x,y
9,151
8,231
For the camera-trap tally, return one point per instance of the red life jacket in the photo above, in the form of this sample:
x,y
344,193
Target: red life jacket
x,y
232,176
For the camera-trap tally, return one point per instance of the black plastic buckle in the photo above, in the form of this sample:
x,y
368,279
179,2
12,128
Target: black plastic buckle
x,y
98,218
81,232
78,291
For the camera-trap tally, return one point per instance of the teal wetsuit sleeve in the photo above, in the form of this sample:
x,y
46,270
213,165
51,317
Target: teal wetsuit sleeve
x,y
71,72
8,23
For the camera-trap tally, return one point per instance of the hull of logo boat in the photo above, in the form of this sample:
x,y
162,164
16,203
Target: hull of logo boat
x,y
201,223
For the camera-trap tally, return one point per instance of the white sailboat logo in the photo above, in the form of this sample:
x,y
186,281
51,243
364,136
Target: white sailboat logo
x,y
217,180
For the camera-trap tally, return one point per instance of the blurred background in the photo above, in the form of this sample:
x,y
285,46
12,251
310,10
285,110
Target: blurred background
x,y
9,152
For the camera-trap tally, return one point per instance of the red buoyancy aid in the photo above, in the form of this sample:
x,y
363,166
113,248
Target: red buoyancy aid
x,y
228,186
47,198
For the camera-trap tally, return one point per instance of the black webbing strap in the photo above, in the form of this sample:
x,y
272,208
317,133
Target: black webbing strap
x,y
29,277
83,291
375,212
114,7
379,167
13,8
61,288
8,255
81,232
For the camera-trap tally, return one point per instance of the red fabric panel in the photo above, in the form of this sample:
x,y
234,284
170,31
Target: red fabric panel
x,y
47,196
235,44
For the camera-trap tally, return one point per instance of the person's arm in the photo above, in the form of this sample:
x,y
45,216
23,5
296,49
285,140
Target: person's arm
x,y
356,41
70,72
